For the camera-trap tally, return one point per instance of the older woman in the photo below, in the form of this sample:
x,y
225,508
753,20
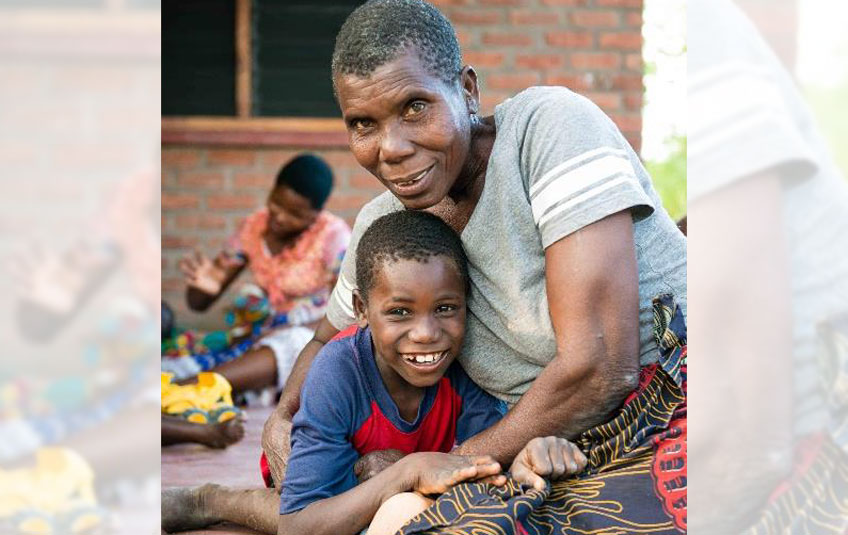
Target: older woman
x,y
567,240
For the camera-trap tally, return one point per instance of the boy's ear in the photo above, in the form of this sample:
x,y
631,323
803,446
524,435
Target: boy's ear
x,y
359,310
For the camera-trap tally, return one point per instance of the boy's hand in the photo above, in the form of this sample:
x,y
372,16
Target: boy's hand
x,y
371,464
435,473
551,457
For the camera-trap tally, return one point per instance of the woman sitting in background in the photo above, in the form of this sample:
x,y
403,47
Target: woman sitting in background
x,y
294,250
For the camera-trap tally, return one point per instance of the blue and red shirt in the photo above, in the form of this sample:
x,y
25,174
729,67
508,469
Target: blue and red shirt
x,y
346,412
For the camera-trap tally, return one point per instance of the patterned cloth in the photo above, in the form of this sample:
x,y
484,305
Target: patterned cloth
x,y
635,481
304,272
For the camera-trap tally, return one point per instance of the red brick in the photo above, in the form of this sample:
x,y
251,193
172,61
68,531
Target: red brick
x,y
635,140
627,81
201,179
177,241
621,40
539,61
180,158
490,99
464,37
633,102
483,59
171,201
340,159
273,160
569,39
448,2
507,39
231,157
634,62
634,19
365,181
607,101
571,81
347,201
536,18
592,19
627,123
512,81
564,2
619,3
200,221
262,180
476,16
231,202
595,60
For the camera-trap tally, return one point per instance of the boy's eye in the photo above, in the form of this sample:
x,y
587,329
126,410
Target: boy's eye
x,y
399,312
443,309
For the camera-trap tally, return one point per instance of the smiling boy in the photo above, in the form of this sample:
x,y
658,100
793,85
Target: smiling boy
x,y
392,384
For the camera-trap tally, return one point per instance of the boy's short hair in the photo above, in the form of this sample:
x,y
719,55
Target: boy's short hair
x,y
406,235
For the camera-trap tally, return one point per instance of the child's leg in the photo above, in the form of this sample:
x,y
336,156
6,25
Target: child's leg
x,y
218,435
194,508
397,511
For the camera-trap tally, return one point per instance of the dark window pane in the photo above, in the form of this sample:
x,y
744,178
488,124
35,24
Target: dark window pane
x,y
292,47
198,57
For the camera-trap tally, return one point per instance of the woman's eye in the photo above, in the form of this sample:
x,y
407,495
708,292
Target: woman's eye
x,y
359,125
415,108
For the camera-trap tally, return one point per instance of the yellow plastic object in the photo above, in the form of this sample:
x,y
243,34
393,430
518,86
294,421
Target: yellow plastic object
x,y
61,482
208,400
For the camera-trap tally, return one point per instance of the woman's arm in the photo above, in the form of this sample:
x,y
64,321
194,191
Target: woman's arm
x,y
352,511
208,279
593,296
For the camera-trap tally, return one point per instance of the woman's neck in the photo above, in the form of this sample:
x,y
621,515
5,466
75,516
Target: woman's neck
x,y
469,184
457,207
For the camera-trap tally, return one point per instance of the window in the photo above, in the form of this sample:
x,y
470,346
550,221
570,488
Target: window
x,y
250,58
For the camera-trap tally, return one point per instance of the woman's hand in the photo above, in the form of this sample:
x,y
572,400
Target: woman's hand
x,y
371,464
206,275
551,457
435,473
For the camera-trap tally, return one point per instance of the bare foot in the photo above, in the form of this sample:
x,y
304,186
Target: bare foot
x,y
185,508
224,434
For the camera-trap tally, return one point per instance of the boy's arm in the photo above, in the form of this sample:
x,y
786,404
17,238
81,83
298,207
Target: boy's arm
x,y
351,511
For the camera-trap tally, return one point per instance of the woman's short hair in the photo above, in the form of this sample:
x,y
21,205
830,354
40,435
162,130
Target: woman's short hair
x,y
380,30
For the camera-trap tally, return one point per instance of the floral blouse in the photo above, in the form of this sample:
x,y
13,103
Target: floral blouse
x,y
303,273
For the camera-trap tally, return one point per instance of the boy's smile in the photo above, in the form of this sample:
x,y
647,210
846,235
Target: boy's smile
x,y
416,311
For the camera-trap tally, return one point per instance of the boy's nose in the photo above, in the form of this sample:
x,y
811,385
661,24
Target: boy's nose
x,y
426,330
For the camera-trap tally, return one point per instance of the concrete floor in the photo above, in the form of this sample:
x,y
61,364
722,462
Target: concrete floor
x,y
237,466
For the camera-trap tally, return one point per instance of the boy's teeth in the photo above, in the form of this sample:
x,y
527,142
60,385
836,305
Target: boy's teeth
x,y
423,358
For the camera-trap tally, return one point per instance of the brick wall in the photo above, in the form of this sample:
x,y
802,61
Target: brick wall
x,y
590,46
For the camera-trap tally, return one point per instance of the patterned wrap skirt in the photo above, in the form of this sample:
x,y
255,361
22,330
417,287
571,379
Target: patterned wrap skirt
x,y
635,481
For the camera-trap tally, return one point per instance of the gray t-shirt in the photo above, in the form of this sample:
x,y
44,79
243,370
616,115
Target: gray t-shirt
x,y
557,165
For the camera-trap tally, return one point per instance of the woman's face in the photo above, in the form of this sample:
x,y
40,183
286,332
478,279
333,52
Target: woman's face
x,y
408,128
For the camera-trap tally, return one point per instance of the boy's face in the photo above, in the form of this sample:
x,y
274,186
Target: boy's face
x,y
416,311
